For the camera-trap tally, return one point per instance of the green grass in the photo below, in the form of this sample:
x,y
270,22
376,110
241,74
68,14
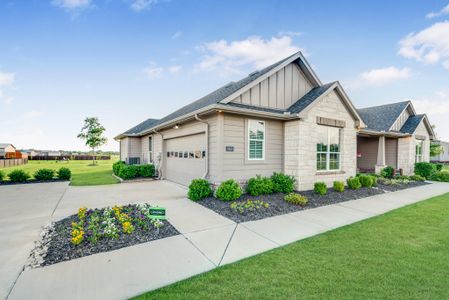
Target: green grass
x,y
403,254
446,168
83,173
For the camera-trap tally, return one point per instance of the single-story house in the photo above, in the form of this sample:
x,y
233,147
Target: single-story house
x,y
7,150
443,157
279,119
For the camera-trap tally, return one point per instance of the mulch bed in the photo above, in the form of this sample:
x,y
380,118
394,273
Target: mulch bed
x,y
60,248
277,205
31,181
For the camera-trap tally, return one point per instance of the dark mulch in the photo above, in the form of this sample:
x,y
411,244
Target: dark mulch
x,y
61,249
31,181
398,187
277,205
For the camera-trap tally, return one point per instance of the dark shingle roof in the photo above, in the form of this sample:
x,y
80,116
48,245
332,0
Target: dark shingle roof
x,y
142,126
309,98
411,124
259,108
381,118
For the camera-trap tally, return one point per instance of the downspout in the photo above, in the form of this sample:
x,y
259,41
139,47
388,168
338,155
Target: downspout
x,y
206,172
159,169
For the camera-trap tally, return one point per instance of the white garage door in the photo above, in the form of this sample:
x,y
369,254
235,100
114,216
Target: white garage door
x,y
185,158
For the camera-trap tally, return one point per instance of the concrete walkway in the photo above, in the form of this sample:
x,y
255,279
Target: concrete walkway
x,y
207,241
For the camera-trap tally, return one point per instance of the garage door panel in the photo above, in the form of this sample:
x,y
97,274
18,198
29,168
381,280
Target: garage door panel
x,y
185,158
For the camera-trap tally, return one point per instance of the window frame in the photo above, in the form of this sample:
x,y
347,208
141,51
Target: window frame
x,y
328,151
419,157
249,140
150,150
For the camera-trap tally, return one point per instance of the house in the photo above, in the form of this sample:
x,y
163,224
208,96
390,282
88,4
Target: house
x,y
7,151
443,157
279,119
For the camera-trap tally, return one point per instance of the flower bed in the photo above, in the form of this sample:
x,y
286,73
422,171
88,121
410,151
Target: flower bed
x,y
274,204
98,230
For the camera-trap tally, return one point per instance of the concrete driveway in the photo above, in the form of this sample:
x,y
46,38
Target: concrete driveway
x,y
24,209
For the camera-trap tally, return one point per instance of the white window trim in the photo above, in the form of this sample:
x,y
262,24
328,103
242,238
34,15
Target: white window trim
x,y
150,152
420,157
328,153
263,141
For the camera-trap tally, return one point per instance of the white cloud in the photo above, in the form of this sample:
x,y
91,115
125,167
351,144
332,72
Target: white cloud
x,y
229,57
140,5
7,79
174,69
289,33
430,46
176,35
153,72
6,99
442,12
379,77
72,4
31,115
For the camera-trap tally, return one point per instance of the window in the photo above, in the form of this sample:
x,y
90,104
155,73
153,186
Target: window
x,y
256,140
419,148
328,149
150,149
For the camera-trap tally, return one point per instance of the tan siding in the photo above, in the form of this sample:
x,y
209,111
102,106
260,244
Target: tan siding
x,y
367,147
391,152
124,149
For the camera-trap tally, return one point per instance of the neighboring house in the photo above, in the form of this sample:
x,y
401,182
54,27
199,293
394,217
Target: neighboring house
x,y
444,155
7,151
279,119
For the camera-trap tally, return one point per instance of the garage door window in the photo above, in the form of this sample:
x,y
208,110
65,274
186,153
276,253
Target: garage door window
x,y
256,140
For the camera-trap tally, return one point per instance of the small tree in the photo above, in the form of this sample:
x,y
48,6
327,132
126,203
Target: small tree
x,y
435,149
92,133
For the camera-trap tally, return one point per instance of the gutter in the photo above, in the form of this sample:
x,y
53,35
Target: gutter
x,y
207,144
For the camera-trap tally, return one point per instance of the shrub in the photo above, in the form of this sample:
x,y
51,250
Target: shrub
x,y
228,190
199,189
339,186
129,171
259,186
374,179
440,176
146,170
117,166
417,178
64,173
18,176
387,172
439,167
297,199
2,175
320,188
366,181
44,174
354,183
248,206
425,169
283,183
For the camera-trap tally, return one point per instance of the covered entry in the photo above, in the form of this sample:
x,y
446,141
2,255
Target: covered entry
x,y
185,158
375,151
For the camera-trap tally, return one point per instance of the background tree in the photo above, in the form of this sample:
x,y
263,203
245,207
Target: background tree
x,y
92,133
435,149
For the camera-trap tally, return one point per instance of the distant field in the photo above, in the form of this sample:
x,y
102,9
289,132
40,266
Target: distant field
x,y
83,173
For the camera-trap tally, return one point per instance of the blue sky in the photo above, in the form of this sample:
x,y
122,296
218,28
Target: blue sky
x,y
128,60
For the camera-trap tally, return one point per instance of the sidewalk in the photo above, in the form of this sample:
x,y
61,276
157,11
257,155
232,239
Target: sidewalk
x,y
134,270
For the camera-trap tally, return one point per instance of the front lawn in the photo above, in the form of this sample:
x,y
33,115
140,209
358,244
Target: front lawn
x,y
400,255
83,173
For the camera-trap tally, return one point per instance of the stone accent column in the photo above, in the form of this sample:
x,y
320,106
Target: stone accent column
x,y
380,155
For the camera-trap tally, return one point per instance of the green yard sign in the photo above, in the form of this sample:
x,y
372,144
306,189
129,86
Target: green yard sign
x,y
157,213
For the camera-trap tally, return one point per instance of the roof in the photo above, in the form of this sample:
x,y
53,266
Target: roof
x,y
411,124
309,98
141,127
381,118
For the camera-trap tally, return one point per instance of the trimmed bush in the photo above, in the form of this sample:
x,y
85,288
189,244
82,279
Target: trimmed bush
x,y
366,181
64,173
2,175
387,172
297,199
354,183
320,188
129,171
117,166
18,176
339,186
374,179
146,170
228,190
199,189
283,183
439,167
417,178
440,176
44,174
425,169
259,186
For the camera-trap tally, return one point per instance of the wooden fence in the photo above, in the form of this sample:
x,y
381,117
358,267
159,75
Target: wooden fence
x,y
70,157
6,163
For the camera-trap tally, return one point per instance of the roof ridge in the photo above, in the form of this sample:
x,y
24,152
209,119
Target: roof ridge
x,y
387,104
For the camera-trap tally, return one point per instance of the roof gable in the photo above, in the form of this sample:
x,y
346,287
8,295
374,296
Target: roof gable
x,y
381,118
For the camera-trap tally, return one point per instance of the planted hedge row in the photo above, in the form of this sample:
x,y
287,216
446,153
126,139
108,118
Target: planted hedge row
x,y
124,171
20,175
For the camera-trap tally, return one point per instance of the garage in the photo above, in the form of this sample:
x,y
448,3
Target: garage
x,y
185,158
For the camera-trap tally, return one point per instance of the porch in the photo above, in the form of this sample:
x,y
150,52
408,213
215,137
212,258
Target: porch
x,y
375,152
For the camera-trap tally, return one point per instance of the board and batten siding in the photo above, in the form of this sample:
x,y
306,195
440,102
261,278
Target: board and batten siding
x,y
400,121
279,90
